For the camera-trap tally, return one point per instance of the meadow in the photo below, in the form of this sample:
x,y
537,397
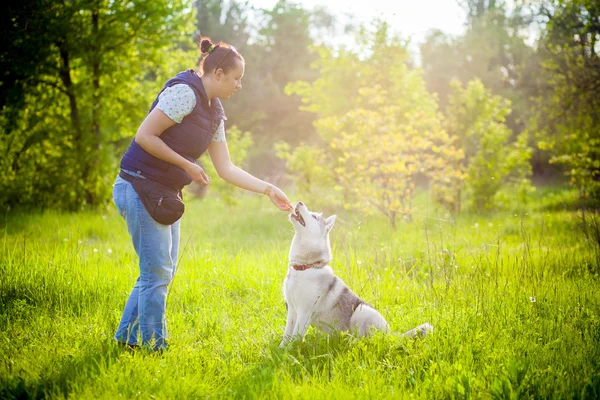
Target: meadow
x,y
514,297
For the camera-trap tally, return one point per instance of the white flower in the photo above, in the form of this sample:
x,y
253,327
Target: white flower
x,y
109,251
532,299
95,250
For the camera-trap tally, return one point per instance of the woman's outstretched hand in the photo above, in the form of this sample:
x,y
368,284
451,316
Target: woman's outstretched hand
x,y
279,198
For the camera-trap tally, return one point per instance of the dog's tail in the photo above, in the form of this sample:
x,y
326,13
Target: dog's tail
x,y
420,331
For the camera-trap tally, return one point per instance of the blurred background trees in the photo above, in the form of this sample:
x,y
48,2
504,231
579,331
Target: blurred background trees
x,y
478,118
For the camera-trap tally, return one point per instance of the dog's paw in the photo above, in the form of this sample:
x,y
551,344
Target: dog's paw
x,y
424,329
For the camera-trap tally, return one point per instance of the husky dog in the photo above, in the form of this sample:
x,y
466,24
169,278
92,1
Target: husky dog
x,y
312,292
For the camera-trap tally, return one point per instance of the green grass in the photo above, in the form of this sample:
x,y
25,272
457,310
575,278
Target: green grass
x,y
514,298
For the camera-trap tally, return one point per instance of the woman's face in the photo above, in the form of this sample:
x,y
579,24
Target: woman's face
x,y
230,82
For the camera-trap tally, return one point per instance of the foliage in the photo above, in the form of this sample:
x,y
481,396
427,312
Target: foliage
x,y
309,171
274,43
552,85
78,77
382,154
493,49
103,64
566,113
477,119
238,143
380,128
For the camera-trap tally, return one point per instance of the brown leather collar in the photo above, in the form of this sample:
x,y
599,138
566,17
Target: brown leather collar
x,y
304,267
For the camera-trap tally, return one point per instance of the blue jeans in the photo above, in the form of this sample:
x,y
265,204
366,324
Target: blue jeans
x,y
157,246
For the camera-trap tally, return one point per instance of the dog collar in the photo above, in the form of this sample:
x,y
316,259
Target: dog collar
x,y
304,267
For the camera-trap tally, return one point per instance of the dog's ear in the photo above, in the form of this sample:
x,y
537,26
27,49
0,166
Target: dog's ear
x,y
329,222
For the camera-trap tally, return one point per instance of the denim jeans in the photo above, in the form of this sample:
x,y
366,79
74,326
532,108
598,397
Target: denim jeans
x,y
157,246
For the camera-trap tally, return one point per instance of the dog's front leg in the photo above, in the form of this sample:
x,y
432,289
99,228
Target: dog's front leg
x,y
303,321
289,326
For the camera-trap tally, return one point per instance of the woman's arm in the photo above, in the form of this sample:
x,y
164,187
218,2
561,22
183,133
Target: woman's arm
x,y
219,154
148,138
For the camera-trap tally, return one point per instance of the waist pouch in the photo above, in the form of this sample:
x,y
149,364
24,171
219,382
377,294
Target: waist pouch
x,y
164,204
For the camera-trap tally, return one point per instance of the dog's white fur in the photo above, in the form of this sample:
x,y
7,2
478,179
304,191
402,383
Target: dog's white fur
x,y
315,295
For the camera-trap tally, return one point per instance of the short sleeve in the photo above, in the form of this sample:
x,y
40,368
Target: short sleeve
x,y
219,134
177,101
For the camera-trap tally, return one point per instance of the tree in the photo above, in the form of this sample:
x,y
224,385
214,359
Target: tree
x,y
566,114
275,47
238,142
26,51
101,66
380,129
492,49
477,119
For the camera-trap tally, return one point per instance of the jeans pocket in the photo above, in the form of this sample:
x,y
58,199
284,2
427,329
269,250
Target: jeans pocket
x,y
119,190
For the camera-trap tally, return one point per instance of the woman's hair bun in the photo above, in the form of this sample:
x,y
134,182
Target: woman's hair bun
x,y
205,44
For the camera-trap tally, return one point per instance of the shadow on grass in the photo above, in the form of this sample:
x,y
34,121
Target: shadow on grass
x,y
21,299
563,199
74,369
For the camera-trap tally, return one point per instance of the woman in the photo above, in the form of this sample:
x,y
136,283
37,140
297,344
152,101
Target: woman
x,y
185,120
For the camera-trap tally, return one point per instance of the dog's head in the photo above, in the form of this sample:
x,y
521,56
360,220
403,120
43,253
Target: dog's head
x,y
311,238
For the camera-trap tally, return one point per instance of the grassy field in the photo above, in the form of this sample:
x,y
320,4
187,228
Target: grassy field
x,y
514,298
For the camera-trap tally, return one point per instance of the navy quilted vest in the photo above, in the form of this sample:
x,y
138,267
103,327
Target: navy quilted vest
x,y
190,138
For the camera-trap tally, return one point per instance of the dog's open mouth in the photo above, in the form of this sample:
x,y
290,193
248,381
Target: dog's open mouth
x,y
298,217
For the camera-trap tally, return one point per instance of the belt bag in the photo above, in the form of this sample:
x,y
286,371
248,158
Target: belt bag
x,y
164,204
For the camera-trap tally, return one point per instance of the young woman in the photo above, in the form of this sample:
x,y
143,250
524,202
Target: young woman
x,y
185,120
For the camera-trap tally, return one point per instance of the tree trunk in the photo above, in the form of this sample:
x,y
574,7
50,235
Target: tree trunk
x,y
65,76
92,163
202,17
